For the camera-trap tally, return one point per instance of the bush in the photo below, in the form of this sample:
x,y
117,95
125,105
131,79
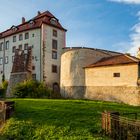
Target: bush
x,y
31,89
3,89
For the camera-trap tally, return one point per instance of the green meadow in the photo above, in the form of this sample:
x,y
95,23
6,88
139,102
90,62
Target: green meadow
x,y
51,119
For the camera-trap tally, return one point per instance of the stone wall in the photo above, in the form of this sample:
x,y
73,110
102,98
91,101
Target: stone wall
x,y
121,94
14,79
75,92
124,94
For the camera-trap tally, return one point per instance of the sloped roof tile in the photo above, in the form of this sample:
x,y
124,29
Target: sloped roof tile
x,y
115,60
38,20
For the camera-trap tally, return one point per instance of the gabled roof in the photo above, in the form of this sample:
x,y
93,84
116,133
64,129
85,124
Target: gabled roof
x,y
44,17
115,60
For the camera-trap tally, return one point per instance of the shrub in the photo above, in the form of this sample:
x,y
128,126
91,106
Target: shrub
x,y
3,89
31,89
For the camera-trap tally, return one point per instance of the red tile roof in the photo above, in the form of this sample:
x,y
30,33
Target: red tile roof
x,y
115,60
44,17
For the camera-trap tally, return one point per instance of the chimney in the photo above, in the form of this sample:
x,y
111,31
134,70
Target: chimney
x,y
38,13
23,20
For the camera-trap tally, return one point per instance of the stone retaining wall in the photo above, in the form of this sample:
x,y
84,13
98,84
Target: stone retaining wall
x,y
121,94
75,92
128,95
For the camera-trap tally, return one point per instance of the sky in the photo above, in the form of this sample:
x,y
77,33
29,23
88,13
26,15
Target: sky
x,y
105,24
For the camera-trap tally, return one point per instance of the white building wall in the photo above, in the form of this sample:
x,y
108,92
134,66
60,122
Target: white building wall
x,y
41,52
48,61
1,56
32,41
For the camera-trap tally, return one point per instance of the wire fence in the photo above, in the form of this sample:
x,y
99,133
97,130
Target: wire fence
x,y
119,127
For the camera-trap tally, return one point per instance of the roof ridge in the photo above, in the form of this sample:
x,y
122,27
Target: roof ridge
x,y
132,58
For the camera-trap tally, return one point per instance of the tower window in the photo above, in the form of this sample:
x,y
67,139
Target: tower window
x,y
54,55
54,68
55,33
54,44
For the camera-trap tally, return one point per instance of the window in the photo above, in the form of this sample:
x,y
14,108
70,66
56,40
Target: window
x,y
25,46
54,44
25,56
1,46
20,37
33,67
53,21
34,76
6,60
14,28
13,57
54,68
7,45
33,35
55,33
14,49
116,74
14,38
1,61
32,23
26,35
54,55
20,47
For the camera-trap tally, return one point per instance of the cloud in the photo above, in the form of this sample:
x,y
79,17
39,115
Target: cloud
x,y
132,46
135,38
127,1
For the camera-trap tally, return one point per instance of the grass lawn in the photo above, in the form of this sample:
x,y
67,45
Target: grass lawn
x,y
44,119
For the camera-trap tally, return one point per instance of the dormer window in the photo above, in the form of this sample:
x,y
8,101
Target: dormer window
x,y
31,22
53,21
14,28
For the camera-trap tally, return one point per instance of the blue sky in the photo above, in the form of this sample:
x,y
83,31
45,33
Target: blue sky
x,y
106,24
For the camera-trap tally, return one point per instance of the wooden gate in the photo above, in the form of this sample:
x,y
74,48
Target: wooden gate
x,y
119,127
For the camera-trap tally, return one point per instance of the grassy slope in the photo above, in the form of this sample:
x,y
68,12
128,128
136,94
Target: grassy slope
x,y
42,119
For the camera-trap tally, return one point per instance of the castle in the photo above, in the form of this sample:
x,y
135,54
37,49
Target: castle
x,y
46,36
80,73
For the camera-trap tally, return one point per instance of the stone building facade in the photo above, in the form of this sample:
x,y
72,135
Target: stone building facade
x,y
114,79
100,75
46,36
72,71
